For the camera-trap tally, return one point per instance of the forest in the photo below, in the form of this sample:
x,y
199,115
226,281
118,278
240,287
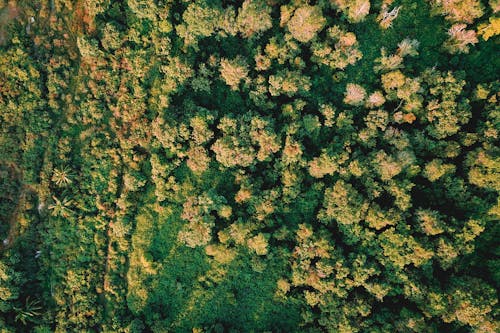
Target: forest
x,y
247,166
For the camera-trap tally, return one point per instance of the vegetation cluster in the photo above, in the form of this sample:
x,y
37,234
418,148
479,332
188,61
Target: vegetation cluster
x,y
249,166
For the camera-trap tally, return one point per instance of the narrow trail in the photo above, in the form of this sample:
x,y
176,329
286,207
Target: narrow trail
x,y
7,15
19,204
13,175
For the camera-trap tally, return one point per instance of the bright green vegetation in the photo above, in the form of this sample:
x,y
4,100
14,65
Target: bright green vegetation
x,y
249,166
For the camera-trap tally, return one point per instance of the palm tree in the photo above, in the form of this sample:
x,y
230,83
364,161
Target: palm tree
x,y
28,313
61,177
61,207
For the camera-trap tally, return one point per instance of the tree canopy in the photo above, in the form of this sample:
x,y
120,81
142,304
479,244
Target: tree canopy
x,y
249,166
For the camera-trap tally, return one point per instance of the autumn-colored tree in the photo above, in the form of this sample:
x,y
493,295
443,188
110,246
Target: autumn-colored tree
x,y
355,10
460,39
459,10
233,71
305,23
254,16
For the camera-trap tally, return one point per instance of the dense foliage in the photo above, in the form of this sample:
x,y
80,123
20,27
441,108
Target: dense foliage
x,y
249,166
